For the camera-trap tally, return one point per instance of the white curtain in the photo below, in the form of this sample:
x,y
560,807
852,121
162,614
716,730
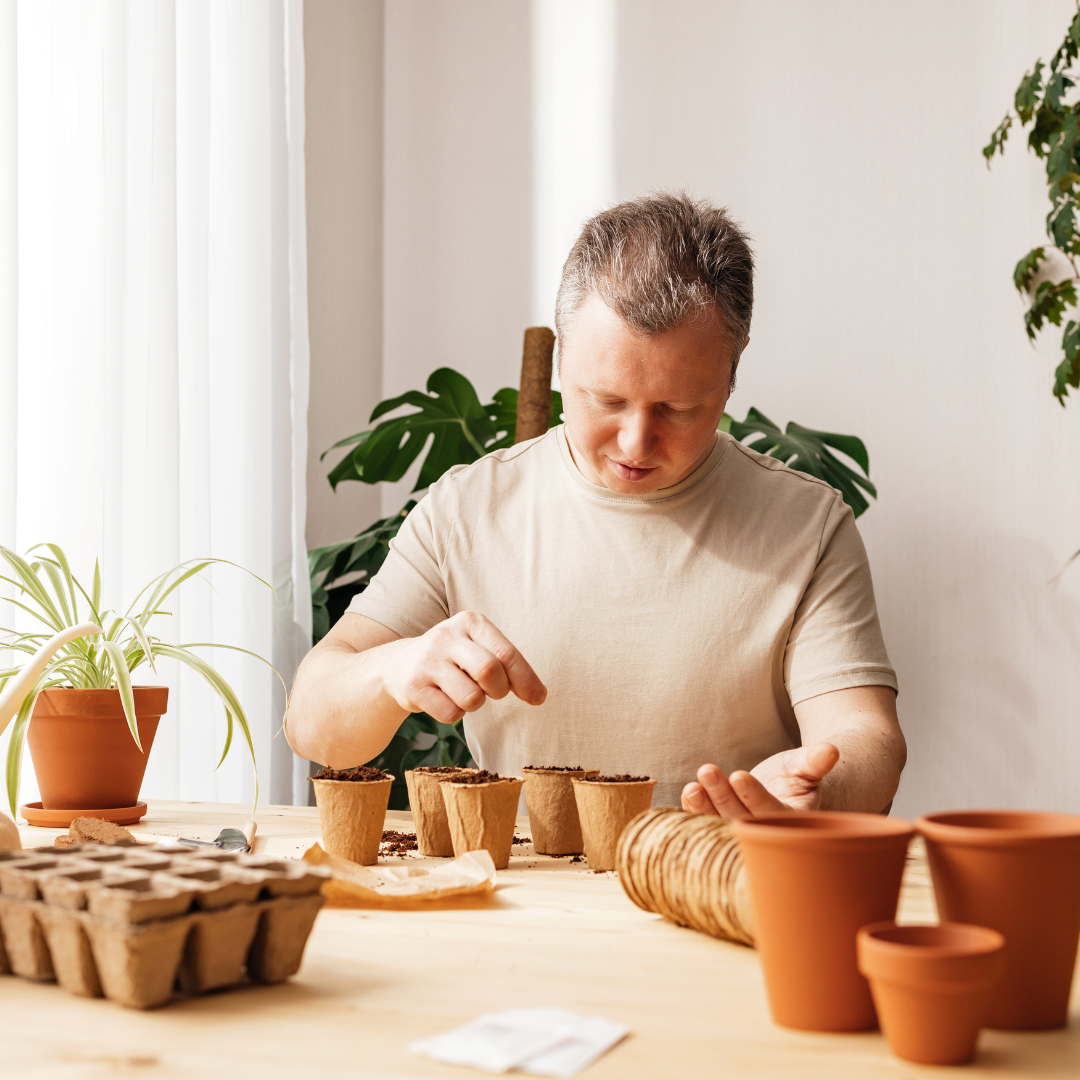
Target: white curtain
x,y
153,337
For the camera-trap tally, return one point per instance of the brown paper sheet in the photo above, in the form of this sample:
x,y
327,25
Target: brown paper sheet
x,y
353,885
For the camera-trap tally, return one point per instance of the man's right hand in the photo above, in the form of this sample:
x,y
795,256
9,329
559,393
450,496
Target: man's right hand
x,y
455,667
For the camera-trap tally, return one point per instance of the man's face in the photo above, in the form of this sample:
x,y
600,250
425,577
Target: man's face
x,y
641,411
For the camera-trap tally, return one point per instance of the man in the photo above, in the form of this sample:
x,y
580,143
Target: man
x,y
633,591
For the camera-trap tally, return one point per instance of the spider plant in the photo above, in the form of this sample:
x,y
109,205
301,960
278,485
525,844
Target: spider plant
x,y
50,594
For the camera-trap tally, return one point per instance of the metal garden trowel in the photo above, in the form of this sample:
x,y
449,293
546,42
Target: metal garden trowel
x,y
226,840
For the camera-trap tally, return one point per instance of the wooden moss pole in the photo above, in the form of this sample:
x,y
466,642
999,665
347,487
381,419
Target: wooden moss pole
x,y
534,397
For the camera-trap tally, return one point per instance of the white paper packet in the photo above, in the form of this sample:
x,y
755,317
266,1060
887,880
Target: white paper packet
x,y
541,1042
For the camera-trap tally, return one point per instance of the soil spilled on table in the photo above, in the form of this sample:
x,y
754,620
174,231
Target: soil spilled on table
x,y
397,843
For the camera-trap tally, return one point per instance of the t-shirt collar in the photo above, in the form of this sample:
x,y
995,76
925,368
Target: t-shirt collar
x,y
663,495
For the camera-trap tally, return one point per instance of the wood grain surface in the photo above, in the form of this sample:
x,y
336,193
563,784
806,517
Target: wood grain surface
x,y
553,934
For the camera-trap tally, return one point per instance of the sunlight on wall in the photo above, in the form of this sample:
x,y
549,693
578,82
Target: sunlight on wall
x,y
573,133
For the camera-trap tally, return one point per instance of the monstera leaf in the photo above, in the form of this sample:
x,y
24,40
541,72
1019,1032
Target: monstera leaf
x,y
449,415
808,451
450,411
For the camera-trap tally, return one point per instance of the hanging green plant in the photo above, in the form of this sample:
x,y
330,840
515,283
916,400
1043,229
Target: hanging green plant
x,y
1040,101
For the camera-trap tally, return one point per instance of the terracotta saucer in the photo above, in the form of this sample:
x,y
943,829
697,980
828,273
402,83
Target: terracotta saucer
x,y
61,819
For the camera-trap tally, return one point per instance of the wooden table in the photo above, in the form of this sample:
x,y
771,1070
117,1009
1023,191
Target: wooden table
x,y
554,934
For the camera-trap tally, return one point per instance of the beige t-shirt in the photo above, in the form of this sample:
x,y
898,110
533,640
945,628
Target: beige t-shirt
x,y
671,629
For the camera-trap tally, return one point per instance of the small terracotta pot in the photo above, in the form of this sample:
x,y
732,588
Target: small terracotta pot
x,y
553,812
932,986
429,811
815,879
351,817
605,808
1019,873
482,816
83,753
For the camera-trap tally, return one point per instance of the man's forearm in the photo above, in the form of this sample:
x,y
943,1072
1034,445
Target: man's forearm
x,y
868,773
339,712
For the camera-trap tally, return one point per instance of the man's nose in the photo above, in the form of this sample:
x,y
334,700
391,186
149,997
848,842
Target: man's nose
x,y
636,437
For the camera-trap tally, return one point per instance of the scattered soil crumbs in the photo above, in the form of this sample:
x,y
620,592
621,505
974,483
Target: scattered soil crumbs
x,y
626,778
361,772
481,777
577,858
555,768
397,843
522,840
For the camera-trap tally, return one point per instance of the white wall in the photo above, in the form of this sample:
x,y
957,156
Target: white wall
x,y
846,136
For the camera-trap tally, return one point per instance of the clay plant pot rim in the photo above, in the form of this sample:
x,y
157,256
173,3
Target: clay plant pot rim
x,y
841,829
70,701
353,783
1044,826
98,689
932,969
983,941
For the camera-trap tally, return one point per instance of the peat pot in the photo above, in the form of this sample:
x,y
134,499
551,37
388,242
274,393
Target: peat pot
x,y
815,879
932,986
83,753
351,816
1017,872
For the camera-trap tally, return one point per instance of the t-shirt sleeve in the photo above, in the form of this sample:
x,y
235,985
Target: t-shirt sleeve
x,y
408,594
835,640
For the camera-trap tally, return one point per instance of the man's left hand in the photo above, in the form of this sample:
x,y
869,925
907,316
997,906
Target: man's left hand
x,y
790,780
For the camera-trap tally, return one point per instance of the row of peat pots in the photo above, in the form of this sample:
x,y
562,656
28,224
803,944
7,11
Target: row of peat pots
x,y
825,889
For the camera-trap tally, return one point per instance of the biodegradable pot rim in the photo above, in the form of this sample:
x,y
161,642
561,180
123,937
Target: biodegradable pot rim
x,y
612,783
485,783
968,941
571,773
830,829
440,770
1028,827
388,778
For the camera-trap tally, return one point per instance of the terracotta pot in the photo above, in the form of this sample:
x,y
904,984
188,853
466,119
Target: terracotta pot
x,y
815,879
351,817
932,986
83,753
605,808
1019,873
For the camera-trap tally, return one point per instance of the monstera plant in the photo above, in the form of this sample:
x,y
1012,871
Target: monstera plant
x,y
449,426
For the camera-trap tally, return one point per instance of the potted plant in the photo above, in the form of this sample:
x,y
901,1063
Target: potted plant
x,y
89,728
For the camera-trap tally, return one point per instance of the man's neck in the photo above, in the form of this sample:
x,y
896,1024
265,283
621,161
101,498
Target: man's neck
x,y
590,474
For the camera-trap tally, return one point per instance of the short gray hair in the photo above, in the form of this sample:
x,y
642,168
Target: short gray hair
x,y
659,259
